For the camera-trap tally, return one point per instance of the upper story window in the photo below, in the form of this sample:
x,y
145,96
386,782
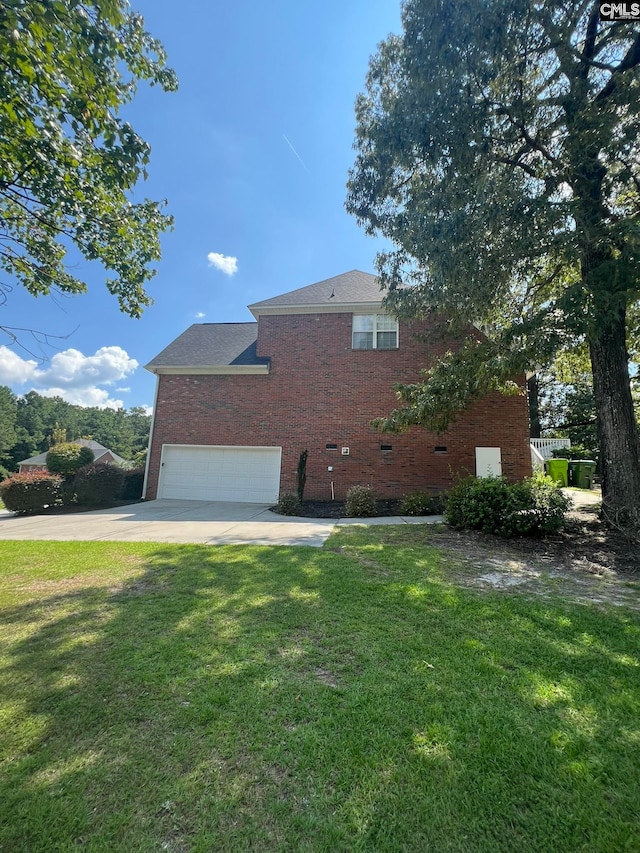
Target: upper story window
x,y
375,331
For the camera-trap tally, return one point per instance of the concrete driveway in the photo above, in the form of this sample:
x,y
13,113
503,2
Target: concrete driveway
x,y
172,521
204,522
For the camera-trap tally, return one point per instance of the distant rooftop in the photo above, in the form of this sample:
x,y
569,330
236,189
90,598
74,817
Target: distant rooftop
x,y
98,449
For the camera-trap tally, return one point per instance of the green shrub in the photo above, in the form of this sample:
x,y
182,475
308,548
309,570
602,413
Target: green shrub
x,y
288,505
140,458
68,491
361,502
547,505
421,503
481,504
98,483
576,451
532,507
31,492
68,458
133,481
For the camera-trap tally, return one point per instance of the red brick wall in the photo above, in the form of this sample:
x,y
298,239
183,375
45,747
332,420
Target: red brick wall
x,y
320,391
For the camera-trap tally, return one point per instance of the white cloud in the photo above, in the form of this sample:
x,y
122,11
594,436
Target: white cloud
x,y
71,375
226,264
13,369
72,369
123,390
200,315
89,396
148,410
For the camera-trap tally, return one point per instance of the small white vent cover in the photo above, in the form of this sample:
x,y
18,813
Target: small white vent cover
x,y
345,451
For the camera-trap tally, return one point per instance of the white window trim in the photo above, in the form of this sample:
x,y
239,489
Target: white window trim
x,y
375,331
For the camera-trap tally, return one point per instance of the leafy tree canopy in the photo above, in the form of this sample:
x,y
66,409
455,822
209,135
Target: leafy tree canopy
x,y
8,434
498,149
68,161
67,458
567,404
32,424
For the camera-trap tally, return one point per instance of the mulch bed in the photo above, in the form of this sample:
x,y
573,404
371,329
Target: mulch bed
x,y
336,509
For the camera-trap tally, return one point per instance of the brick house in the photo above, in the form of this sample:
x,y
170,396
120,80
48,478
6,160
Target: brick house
x,y
100,454
237,403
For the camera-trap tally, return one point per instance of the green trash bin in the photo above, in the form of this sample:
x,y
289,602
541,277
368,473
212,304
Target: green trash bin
x,y
584,470
558,470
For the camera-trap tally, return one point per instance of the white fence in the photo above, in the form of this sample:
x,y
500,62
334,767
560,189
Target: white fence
x,y
545,446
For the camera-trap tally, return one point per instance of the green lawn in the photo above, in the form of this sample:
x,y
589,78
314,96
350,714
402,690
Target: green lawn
x,y
189,698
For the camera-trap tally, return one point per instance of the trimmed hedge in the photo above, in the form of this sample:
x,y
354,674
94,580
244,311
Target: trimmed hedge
x,y
68,458
98,483
32,492
533,507
133,481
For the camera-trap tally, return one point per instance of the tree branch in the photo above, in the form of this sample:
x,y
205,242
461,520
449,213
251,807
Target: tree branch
x,y
589,49
630,60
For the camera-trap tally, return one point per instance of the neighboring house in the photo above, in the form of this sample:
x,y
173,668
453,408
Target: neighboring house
x,y
100,454
237,403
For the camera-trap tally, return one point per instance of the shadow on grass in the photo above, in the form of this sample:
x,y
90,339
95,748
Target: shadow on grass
x,y
297,699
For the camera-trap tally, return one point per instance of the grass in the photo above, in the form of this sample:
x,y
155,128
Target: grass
x,y
351,698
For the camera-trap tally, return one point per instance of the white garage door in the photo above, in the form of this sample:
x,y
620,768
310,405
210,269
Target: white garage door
x,y
211,473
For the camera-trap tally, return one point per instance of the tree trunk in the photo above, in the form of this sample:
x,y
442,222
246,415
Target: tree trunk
x,y
617,428
533,394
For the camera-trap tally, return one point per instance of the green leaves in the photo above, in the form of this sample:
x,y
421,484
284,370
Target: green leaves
x,y
68,162
494,146
498,151
453,383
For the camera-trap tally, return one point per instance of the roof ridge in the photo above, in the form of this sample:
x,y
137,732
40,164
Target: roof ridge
x,y
353,287
228,323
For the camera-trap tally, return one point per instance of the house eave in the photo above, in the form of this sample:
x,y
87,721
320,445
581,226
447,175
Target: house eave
x,y
321,308
209,370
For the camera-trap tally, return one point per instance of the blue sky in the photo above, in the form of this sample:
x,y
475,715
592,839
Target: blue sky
x,y
252,154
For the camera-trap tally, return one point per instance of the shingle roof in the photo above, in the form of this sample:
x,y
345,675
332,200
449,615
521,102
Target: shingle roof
x,y
350,288
220,345
98,449
211,345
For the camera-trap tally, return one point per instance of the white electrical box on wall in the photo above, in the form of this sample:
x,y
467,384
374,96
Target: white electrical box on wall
x,y
488,462
345,451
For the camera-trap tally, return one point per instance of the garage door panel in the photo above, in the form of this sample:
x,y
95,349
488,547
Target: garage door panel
x,y
238,474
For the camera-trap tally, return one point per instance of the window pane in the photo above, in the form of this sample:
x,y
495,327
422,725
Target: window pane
x,y
385,323
387,340
363,340
363,323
